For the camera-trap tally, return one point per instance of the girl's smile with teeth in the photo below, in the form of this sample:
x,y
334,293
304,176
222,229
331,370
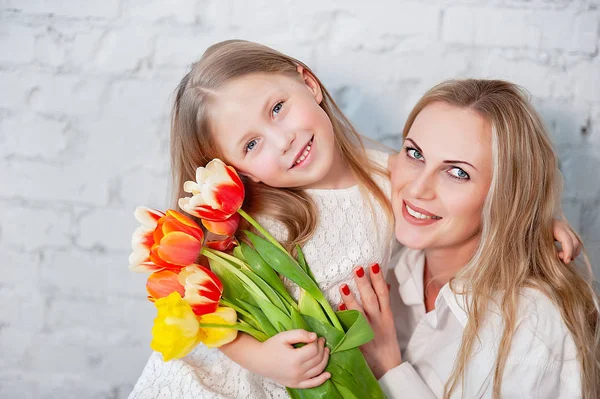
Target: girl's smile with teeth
x,y
304,153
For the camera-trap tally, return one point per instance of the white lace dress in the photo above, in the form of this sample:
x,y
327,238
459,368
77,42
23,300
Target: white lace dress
x,y
346,236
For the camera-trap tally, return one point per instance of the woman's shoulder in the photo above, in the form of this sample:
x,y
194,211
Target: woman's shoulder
x,y
540,316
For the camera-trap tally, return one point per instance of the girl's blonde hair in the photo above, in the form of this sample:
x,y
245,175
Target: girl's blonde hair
x,y
517,244
192,143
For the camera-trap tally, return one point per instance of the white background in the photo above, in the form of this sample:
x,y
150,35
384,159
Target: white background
x,y
85,88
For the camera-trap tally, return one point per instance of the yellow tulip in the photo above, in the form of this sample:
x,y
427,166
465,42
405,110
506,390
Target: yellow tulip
x,y
176,329
214,337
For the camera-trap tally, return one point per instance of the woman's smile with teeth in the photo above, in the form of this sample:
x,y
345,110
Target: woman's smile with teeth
x,y
419,215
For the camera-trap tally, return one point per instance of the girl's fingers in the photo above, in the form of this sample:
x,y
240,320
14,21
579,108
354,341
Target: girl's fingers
x,y
307,352
367,294
316,359
315,381
320,366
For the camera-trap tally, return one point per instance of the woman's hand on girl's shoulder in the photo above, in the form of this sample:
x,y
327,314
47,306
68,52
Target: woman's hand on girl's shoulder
x,y
570,244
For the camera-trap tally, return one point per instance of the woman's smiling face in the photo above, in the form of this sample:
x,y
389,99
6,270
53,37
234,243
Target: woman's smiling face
x,y
441,178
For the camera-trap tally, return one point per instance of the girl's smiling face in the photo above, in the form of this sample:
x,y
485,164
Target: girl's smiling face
x,y
441,178
271,128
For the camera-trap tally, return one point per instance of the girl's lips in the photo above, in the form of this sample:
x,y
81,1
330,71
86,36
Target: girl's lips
x,y
414,219
302,151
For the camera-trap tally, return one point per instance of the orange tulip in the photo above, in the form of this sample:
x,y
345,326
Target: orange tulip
x,y
197,285
225,228
217,192
170,241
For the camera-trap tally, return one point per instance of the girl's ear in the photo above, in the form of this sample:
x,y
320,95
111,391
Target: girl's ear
x,y
311,82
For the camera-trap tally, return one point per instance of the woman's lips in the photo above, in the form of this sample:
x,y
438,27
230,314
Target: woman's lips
x,y
418,216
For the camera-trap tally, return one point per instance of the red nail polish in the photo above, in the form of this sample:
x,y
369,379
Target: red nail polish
x,y
360,272
346,289
375,268
343,306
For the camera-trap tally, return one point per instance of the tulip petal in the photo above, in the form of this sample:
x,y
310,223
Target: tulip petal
x,y
215,337
145,267
178,248
223,245
147,216
163,283
175,221
224,228
176,329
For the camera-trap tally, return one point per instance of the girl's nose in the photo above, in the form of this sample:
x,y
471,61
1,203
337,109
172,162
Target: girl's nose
x,y
283,139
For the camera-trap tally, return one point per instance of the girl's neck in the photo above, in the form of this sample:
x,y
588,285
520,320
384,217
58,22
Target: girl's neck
x,y
340,175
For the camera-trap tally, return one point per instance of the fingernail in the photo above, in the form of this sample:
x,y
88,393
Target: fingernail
x,y
375,268
360,272
312,335
346,289
343,306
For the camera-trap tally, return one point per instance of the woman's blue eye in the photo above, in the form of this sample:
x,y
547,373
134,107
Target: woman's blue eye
x,y
250,146
458,173
277,108
414,153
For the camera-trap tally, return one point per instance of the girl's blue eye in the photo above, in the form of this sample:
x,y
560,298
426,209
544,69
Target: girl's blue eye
x,y
277,108
458,173
414,153
250,146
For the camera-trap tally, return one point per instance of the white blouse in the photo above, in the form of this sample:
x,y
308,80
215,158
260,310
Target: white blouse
x,y
542,362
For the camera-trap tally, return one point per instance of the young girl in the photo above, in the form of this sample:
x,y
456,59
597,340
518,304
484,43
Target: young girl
x,y
309,181
486,309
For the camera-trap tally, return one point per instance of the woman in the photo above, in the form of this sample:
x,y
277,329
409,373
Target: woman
x,y
486,308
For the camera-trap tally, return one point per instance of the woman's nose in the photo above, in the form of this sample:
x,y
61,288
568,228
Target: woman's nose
x,y
423,186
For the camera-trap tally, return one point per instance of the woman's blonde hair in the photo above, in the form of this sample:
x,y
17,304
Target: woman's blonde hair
x,y
192,143
517,245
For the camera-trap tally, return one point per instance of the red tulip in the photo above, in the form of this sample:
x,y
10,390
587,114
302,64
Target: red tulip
x,y
172,241
223,245
197,285
225,228
217,193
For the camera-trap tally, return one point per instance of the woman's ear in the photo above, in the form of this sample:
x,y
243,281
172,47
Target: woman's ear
x,y
311,82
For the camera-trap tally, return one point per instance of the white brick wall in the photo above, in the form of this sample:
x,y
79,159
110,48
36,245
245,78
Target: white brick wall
x,y
85,88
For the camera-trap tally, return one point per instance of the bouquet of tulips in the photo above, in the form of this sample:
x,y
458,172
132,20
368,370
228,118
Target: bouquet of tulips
x,y
241,288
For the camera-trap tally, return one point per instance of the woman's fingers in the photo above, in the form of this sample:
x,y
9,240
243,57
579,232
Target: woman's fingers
x,y
349,299
367,294
380,287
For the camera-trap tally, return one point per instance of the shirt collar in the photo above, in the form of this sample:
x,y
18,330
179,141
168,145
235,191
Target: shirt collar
x,y
409,272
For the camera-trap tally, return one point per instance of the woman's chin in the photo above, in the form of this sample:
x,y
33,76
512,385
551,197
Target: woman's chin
x,y
412,239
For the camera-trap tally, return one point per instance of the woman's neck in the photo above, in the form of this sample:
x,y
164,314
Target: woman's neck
x,y
442,264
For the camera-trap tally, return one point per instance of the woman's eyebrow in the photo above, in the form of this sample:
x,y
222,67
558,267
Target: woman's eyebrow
x,y
449,161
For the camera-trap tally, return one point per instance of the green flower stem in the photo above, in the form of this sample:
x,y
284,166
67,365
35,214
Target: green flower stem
x,y
240,327
262,231
223,255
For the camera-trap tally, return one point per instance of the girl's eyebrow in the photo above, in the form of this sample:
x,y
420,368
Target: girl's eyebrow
x,y
450,161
